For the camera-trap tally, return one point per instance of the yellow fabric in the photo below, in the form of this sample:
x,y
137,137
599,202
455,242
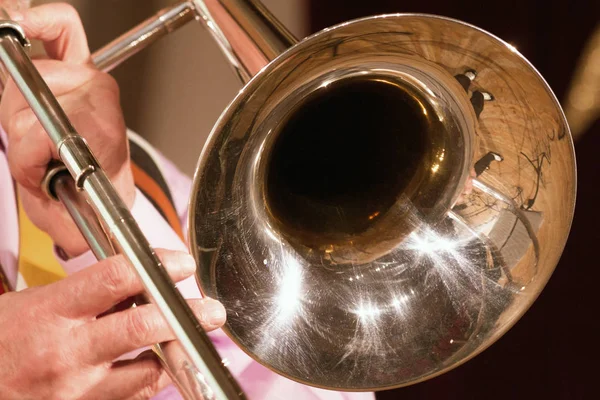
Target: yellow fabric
x,y
37,263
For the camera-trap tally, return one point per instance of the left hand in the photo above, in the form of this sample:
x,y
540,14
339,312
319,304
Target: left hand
x,y
90,99
54,344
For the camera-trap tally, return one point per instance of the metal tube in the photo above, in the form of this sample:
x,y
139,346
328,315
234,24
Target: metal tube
x,y
246,32
249,37
164,22
83,215
114,215
191,385
269,35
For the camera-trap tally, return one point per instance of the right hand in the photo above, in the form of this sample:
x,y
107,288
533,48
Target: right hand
x,y
89,98
53,345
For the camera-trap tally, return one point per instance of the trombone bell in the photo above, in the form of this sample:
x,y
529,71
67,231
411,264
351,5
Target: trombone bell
x,y
373,209
369,209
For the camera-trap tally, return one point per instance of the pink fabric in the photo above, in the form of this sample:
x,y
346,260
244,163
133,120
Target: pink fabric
x,y
257,381
9,237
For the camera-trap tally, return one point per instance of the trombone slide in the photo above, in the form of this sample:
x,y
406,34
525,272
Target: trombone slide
x,y
202,369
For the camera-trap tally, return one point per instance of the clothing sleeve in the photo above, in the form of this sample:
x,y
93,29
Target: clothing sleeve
x,y
257,381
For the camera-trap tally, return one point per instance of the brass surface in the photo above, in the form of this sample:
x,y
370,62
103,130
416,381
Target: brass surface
x,y
380,202
366,246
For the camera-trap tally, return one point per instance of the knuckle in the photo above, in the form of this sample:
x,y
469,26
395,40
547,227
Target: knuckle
x,y
19,124
20,172
151,381
53,367
138,327
110,84
117,278
67,11
60,390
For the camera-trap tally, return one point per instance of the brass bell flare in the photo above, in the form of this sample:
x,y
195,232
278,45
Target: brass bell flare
x,y
383,201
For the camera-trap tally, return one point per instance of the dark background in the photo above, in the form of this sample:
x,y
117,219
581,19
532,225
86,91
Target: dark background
x,y
552,352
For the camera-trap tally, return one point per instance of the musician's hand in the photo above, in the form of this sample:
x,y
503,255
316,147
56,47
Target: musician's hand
x,y
90,99
52,346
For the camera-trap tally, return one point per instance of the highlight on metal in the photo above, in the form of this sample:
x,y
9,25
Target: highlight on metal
x,y
382,200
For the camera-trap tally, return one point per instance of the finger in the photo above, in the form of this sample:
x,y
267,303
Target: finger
x,y
96,289
37,148
141,378
119,333
60,77
59,27
30,148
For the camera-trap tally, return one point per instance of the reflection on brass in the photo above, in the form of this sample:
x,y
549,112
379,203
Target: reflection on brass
x,y
352,206
379,204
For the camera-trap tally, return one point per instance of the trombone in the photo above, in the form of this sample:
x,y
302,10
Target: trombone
x,y
371,209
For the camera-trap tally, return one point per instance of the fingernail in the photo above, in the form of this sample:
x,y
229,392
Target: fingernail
x,y
186,263
214,311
